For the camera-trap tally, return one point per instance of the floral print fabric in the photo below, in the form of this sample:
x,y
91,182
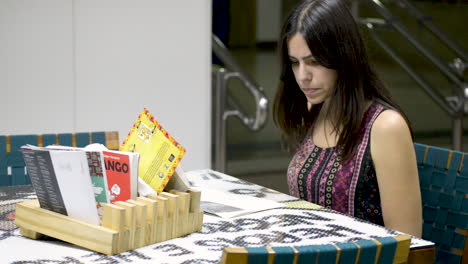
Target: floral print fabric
x,y
320,176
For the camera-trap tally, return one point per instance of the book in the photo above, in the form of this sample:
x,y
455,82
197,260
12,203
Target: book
x,y
39,167
116,167
97,172
121,174
160,153
62,182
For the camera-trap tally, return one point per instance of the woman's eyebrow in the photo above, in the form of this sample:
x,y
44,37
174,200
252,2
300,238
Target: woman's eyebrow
x,y
303,58
309,57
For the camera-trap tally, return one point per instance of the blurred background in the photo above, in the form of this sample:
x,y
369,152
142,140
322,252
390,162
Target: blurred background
x,y
68,60
429,90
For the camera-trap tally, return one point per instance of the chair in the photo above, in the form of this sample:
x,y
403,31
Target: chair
x,y
382,250
12,167
443,178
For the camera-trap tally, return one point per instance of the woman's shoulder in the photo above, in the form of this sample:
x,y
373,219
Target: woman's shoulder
x,y
389,120
390,125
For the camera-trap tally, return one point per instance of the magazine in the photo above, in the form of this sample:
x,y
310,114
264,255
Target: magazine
x,y
228,205
160,153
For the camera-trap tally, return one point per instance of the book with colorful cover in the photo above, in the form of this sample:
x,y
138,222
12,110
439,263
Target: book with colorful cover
x,y
98,178
160,153
118,176
109,167
97,172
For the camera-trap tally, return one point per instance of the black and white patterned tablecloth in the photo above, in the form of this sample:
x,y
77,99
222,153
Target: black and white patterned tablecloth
x,y
276,227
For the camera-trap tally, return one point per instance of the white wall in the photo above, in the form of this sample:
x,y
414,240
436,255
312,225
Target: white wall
x,y
36,76
92,65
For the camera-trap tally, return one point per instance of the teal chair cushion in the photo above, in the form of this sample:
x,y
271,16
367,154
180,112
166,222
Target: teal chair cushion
x,y
443,178
12,167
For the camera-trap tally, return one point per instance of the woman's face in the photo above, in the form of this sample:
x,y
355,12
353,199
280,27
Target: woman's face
x,y
316,81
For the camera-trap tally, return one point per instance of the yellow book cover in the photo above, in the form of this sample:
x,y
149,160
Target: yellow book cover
x,y
160,153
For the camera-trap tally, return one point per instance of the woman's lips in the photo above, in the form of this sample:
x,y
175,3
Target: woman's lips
x,y
310,91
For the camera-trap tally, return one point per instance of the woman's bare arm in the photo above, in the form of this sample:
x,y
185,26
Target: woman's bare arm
x,y
394,159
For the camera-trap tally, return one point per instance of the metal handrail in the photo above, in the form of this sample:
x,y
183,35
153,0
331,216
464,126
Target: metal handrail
x,y
226,106
455,105
435,30
259,119
390,18
430,91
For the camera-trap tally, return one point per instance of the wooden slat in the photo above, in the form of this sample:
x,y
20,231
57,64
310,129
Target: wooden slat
x,y
234,256
8,144
31,217
403,248
130,222
162,231
141,222
195,196
152,219
114,218
125,225
421,256
184,208
173,203
112,140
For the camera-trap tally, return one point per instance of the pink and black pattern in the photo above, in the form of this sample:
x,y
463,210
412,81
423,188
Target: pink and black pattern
x,y
320,176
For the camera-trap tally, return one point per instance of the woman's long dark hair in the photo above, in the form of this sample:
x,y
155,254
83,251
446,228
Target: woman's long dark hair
x,y
335,41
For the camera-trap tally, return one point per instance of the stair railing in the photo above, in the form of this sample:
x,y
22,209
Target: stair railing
x,y
226,106
455,106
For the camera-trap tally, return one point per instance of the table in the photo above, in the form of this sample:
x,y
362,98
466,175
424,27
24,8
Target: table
x,y
275,227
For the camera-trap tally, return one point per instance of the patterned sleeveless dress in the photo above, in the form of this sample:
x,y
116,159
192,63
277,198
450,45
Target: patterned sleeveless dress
x,y
318,175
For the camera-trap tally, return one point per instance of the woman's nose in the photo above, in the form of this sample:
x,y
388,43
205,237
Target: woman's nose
x,y
303,73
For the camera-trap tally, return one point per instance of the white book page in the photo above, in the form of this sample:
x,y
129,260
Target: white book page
x,y
72,172
103,166
134,162
178,181
228,205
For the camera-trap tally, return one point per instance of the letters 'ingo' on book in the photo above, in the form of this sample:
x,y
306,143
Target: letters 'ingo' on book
x,y
160,153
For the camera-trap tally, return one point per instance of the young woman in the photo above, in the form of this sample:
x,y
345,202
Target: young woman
x,y
352,144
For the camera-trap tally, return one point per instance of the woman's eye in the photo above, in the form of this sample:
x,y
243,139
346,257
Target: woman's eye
x,y
294,63
312,62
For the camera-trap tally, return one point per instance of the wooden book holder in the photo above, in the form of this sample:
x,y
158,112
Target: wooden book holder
x,y
124,225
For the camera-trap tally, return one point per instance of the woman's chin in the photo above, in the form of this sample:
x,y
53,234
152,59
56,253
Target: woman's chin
x,y
314,101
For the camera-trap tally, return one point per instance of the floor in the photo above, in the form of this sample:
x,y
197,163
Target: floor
x,y
257,156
